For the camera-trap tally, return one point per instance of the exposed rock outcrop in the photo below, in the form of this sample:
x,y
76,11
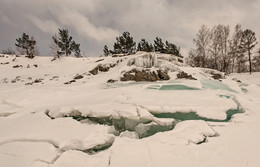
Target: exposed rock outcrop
x,y
145,75
99,60
66,83
78,77
101,68
111,81
17,66
217,76
183,74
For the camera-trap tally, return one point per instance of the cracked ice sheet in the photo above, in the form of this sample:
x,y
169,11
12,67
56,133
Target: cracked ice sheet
x,y
79,159
105,109
64,133
26,154
206,103
154,150
237,145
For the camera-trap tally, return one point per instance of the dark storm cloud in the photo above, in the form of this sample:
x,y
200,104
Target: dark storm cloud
x,y
95,23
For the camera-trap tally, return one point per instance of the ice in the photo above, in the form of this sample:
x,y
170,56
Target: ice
x,y
149,129
26,153
66,135
149,60
211,84
146,60
79,159
162,148
129,134
189,131
92,123
177,87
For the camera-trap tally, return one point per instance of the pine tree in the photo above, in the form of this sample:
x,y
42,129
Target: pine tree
x,y
75,47
106,51
248,42
124,44
55,47
172,49
159,46
236,54
143,45
27,45
66,44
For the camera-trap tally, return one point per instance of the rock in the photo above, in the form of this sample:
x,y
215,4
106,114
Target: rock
x,y
55,77
128,77
17,66
70,82
78,77
185,75
217,76
28,66
112,65
144,75
35,65
111,81
163,75
102,68
6,63
180,60
94,71
118,55
38,80
53,59
29,83
99,60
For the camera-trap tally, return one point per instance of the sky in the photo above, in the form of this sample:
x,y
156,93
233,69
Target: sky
x,y
95,23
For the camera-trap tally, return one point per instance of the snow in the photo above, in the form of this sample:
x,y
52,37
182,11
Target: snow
x,y
94,123
67,134
26,153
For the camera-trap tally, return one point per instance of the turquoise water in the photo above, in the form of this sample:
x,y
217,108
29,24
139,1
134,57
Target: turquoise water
x,y
154,87
177,87
226,96
143,129
180,116
244,90
212,84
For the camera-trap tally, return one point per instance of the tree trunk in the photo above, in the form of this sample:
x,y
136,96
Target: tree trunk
x,y
250,63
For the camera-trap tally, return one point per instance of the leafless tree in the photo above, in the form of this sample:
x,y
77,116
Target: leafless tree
x,y
8,51
202,44
256,61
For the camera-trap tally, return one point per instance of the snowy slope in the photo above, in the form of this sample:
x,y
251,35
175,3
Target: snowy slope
x,y
58,113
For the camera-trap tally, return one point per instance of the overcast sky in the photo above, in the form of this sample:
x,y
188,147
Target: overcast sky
x,y
94,23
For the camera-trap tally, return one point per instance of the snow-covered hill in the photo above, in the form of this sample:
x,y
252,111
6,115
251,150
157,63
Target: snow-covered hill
x,y
146,109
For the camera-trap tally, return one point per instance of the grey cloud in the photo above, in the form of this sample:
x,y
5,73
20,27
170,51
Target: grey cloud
x,y
84,27
95,23
47,26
